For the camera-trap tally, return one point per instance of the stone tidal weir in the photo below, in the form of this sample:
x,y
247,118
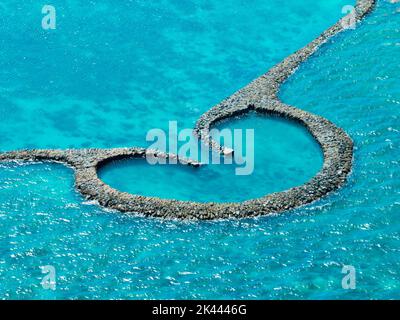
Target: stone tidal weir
x,y
259,96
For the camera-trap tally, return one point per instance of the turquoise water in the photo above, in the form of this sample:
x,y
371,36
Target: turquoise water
x,y
104,84
112,71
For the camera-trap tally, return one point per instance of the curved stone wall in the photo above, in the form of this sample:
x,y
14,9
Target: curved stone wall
x,y
260,96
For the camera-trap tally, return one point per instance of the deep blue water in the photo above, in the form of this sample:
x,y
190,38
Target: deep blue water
x,y
104,78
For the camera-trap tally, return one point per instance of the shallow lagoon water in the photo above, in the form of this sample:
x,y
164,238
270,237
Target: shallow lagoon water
x,y
99,254
284,155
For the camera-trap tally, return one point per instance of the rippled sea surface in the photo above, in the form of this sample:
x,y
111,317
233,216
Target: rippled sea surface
x,y
102,79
